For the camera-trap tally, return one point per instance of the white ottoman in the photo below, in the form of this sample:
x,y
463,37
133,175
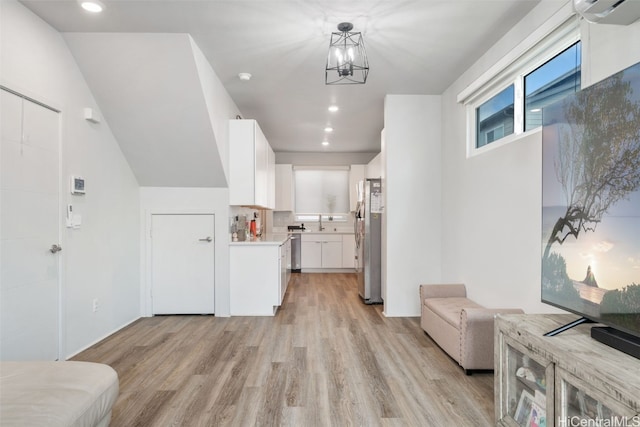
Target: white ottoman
x,y
56,394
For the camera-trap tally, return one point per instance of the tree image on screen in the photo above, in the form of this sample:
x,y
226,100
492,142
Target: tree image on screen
x,y
590,194
598,159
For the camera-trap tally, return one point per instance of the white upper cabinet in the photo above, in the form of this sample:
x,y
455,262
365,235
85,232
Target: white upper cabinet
x,y
251,166
284,188
271,191
356,174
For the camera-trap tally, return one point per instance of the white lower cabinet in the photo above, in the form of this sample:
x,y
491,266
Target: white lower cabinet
x,y
348,251
321,251
311,254
285,268
332,254
258,278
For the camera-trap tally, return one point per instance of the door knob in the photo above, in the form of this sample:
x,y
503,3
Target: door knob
x,y
55,248
207,239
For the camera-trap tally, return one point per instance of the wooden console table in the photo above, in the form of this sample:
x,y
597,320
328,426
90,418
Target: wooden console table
x,y
561,380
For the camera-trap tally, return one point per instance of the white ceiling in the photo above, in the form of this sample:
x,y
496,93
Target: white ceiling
x,y
414,47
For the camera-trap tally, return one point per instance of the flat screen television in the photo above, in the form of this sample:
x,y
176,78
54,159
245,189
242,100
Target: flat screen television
x,y
591,206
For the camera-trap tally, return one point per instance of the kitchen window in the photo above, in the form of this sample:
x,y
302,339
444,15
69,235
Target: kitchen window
x,y
321,191
507,100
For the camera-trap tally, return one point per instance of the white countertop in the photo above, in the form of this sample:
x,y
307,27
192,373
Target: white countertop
x,y
275,239
309,231
326,232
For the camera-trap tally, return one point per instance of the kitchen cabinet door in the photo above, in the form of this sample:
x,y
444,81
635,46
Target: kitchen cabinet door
x,y
331,254
271,178
252,179
311,254
282,285
348,251
284,188
262,169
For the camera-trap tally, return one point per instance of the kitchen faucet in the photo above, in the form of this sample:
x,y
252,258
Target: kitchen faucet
x,y
320,228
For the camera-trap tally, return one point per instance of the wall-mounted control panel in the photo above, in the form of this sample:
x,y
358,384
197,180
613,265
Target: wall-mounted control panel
x,y
77,185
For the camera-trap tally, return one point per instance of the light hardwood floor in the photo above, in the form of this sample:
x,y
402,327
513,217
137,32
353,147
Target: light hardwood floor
x,y
324,359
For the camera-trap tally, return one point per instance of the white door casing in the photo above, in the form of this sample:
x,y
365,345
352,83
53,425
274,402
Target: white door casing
x,y
30,227
182,263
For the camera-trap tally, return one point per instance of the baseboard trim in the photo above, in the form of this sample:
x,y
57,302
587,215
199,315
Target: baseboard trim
x,y
100,339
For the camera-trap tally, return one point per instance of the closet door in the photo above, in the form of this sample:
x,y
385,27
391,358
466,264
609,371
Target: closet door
x,y
183,264
29,232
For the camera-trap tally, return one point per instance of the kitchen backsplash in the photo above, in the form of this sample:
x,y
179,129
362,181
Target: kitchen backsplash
x,y
282,219
277,221
262,219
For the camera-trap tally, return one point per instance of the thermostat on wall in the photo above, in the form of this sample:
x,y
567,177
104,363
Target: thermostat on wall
x,y
77,185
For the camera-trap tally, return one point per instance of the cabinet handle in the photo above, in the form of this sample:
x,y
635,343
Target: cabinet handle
x,y
207,239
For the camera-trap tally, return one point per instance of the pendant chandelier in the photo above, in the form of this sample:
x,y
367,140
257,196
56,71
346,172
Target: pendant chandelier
x,y
347,60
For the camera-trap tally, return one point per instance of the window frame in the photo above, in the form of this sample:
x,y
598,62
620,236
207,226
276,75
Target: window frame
x,y
560,33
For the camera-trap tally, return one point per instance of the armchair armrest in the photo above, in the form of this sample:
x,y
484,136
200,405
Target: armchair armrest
x,y
442,291
476,336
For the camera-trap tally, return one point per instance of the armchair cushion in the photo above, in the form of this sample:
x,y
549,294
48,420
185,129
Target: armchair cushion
x,y
449,308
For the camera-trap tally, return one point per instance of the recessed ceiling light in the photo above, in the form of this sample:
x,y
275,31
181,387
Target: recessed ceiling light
x,y
94,6
245,77
328,129
333,108
325,143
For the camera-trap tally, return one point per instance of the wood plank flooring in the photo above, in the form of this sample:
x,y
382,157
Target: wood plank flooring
x,y
325,359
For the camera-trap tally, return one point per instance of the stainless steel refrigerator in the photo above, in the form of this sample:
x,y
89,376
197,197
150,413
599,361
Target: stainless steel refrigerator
x,y
368,233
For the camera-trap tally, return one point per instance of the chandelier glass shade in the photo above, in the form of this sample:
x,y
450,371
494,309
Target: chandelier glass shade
x,y
347,59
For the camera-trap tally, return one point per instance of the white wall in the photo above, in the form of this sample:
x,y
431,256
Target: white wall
x,y
412,215
374,167
99,260
219,104
491,203
608,49
323,159
157,200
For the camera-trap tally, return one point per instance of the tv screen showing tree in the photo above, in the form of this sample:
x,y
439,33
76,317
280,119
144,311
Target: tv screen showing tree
x,y
591,202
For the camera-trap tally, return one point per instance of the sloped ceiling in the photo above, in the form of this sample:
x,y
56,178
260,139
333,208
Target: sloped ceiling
x,y
148,89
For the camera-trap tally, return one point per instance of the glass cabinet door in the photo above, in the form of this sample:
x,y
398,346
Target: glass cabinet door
x,y
578,401
527,388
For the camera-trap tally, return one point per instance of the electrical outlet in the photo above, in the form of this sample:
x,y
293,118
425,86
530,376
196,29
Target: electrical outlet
x,y
95,305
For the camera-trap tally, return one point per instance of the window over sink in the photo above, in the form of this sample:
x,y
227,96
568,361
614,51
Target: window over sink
x,y
321,191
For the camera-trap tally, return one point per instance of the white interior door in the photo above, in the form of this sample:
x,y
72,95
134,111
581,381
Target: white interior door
x,y
30,285
182,259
